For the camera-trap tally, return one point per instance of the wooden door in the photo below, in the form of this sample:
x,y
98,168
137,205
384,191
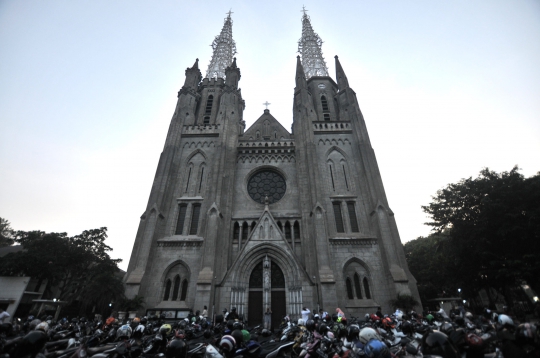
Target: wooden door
x,y
255,308
278,307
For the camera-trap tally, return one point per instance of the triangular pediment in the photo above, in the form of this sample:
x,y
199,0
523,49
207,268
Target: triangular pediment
x,y
266,128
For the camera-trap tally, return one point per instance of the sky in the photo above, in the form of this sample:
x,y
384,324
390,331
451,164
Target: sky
x,y
88,88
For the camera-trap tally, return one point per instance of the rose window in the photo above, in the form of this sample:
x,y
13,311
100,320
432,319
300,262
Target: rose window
x,y
266,183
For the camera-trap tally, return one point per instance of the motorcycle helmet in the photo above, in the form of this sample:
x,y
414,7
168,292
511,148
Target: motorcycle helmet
x,y
310,325
388,323
246,336
376,349
177,348
407,328
374,317
322,329
136,320
165,329
207,334
139,331
109,321
266,333
469,315
144,320
43,326
124,332
352,332
505,320
300,322
437,343
238,336
367,334
330,335
429,318
254,348
230,324
238,325
335,317
227,343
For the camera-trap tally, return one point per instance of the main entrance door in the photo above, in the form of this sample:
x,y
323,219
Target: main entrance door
x,y
266,290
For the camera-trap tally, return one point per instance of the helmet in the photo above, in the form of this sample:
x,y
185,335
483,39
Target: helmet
x,y
254,348
300,322
227,343
230,324
352,332
144,320
165,329
34,324
388,323
238,336
124,332
246,335
374,317
43,326
322,329
469,315
136,320
429,318
504,320
177,348
31,344
335,317
376,349
266,333
238,325
366,334
310,325
407,328
399,316
330,334
437,343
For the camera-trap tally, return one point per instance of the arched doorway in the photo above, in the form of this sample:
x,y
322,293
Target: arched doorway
x,y
266,289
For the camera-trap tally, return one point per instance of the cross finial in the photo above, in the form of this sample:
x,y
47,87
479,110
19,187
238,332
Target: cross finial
x,y
266,104
304,10
230,12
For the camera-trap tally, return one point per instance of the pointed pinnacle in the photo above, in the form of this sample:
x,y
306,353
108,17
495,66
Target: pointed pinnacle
x,y
341,78
196,64
300,75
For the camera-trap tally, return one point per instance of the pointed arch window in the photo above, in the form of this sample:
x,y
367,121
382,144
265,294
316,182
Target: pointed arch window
x,y
167,290
236,232
280,225
288,231
245,232
176,287
331,177
338,217
195,219
296,231
187,181
352,216
357,287
349,289
201,178
366,288
184,290
182,210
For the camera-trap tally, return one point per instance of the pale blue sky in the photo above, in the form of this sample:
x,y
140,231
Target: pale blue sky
x,y
87,90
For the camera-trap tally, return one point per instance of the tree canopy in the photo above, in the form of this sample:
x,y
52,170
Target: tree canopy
x,y
78,266
486,234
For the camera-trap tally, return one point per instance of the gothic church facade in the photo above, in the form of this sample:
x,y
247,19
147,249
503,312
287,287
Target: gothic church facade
x,y
260,217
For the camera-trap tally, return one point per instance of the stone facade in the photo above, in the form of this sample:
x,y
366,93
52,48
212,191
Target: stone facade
x,y
267,218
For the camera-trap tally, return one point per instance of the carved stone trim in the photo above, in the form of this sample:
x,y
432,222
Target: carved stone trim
x,y
352,241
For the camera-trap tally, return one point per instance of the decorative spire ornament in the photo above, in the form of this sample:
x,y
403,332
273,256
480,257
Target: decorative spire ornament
x,y
309,47
224,49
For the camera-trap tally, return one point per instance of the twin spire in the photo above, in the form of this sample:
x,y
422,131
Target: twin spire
x,y
309,47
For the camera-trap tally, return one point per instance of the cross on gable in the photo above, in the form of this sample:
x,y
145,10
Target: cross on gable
x,y
266,104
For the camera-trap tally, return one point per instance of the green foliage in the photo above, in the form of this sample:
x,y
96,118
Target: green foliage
x,y
404,302
6,233
79,266
131,304
493,227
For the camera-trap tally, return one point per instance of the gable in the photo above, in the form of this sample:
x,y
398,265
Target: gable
x,y
266,128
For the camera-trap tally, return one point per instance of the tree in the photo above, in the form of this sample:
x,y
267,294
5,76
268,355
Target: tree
x,y
6,233
79,266
404,301
493,223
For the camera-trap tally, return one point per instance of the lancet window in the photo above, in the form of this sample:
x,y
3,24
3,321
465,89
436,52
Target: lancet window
x,y
176,283
357,281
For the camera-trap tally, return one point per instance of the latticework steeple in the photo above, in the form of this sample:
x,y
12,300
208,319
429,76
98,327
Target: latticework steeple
x,y
309,47
224,49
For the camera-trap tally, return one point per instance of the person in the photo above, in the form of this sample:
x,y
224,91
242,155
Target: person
x,y
305,314
225,314
340,313
205,312
3,315
441,312
233,314
379,312
267,318
323,314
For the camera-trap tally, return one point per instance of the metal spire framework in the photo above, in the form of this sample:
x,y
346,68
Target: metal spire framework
x,y
309,47
224,49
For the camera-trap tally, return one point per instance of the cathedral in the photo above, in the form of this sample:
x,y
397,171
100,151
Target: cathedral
x,y
262,217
